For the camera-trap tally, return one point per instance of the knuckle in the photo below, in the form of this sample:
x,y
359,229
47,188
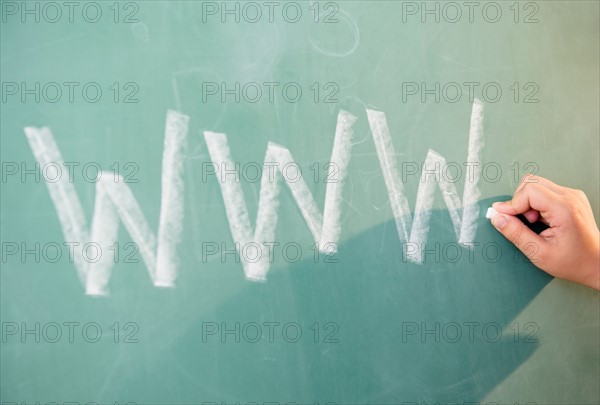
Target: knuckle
x,y
529,178
574,192
528,186
574,199
580,194
521,194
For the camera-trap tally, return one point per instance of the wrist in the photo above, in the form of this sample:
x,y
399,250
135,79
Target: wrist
x,y
591,273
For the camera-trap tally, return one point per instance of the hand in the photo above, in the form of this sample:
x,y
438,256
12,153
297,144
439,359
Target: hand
x,y
570,247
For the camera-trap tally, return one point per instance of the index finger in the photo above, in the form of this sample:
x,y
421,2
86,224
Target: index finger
x,y
534,179
534,196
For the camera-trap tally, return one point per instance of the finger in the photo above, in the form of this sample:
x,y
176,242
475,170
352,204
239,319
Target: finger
x,y
535,196
533,179
504,207
526,179
518,233
532,196
532,216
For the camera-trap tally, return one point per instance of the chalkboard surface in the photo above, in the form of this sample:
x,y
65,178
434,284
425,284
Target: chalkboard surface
x,y
284,202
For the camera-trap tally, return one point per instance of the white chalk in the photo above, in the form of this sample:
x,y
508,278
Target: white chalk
x,y
490,213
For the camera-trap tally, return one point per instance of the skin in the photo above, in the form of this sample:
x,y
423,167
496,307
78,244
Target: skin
x,y
570,247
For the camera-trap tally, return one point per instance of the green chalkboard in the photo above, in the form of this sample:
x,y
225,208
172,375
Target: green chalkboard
x,y
284,202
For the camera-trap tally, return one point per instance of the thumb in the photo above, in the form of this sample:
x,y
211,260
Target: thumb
x,y
527,241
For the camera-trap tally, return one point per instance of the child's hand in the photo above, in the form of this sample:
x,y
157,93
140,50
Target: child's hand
x,y
570,247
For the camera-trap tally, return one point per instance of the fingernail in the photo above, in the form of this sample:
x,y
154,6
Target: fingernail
x,y
490,213
499,221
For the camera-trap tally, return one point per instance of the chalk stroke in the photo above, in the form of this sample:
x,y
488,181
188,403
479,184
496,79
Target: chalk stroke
x,y
171,210
465,223
325,228
115,200
62,192
386,154
471,191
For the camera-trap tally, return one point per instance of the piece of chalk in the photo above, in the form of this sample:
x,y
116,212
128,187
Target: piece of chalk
x,y
490,213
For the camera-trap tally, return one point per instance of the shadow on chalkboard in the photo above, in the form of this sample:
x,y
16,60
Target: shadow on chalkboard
x,y
388,331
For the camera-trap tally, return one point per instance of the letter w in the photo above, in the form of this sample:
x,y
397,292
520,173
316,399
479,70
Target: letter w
x,y
325,227
465,224
114,199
